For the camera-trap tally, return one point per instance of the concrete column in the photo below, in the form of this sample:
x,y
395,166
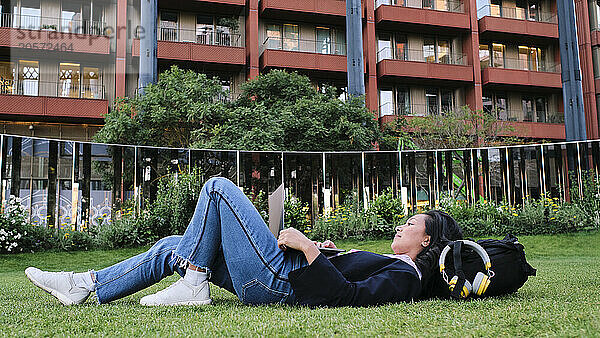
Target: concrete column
x,y
252,43
370,53
148,43
354,54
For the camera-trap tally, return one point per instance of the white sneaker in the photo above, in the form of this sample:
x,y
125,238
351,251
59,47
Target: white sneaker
x,y
180,293
59,285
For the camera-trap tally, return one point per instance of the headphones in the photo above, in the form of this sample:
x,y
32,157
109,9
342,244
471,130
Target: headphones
x,y
459,281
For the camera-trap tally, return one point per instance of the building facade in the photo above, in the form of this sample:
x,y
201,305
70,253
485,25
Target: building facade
x,y
63,62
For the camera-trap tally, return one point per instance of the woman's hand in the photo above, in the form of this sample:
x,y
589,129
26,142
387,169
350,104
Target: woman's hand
x,y
326,244
294,239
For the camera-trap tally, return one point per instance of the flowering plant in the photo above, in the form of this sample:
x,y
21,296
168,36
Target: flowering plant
x,y
13,222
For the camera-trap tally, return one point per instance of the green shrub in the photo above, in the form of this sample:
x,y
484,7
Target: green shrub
x,y
387,207
123,233
296,214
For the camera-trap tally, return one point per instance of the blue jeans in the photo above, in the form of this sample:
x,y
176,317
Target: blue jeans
x,y
228,237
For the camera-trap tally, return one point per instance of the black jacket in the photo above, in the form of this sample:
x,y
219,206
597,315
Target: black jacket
x,y
356,279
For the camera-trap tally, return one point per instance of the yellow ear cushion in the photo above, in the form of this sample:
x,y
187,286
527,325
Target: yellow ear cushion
x,y
482,285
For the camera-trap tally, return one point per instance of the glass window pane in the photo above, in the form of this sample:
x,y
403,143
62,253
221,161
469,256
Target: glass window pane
x,y
540,109
29,77
7,78
523,58
527,103
30,14
444,52
429,49
484,55
323,44
68,80
403,101
204,29
290,37
447,100
70,17
274,37
498,55
384,47
168,26
92,83
502,106
431,97
386,104
401,47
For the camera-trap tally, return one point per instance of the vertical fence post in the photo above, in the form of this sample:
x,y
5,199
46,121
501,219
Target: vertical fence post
x,y
542,170
412,181
75,185
485,172
15,172
431,178
2,171
237,166
365,194
449,172
52,182
505,175
86,184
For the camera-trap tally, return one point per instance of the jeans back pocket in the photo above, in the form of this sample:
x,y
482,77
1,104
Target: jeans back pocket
x,y
255,292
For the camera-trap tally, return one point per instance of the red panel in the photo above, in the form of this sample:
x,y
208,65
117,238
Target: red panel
x,y
328,7
252,57
68,107
21,105
174,50
54,41
52,106
536,130
227,2
387,13
423,70
135,47
218,54
515,77
303,60
518,27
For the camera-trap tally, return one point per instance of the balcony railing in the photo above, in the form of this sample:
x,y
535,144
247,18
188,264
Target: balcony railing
x,y
422,55
522,64
414,109
65,88
63,25
530,116
438,5
311,46
199,36
516,13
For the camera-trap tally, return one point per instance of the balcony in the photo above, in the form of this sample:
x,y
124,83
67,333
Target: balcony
x,y
552,117
52,99
318,56
414,109
45,34
423,64
412,15
318,11
199,46
518,72
497,23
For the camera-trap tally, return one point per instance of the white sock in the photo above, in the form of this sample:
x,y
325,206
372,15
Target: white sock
x,y
195,277
84,280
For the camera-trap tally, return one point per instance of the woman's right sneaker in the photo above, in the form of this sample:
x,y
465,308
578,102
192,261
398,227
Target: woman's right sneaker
x,y
59,285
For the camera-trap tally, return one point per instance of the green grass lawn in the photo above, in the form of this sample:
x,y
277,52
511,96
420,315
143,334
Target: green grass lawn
x,y
563,299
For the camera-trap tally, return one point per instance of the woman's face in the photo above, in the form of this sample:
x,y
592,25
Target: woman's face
x,y
411,238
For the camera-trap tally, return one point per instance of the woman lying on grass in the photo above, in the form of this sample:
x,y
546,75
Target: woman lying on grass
x,y
228,244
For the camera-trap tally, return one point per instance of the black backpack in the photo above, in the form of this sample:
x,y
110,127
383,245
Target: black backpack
x,y
510,268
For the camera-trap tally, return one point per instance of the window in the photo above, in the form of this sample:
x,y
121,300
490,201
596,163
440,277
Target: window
x,y
488,104
429,49
384,47
92,83
29,77
541,108
431,99
484,55
437,50
68,79
403,101
528,110
498,51
30,14
428,4
7,78
340,42
168,26
496,8
70,17
204,29
323,43
532,58
386,103
446,100
274,37
521,10
291,37
401,44
496,104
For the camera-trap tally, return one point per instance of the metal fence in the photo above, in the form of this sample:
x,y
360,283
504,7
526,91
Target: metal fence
x,y
68,183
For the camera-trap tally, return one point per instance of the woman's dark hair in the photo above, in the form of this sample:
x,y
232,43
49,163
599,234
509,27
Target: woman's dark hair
x,y
442,228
